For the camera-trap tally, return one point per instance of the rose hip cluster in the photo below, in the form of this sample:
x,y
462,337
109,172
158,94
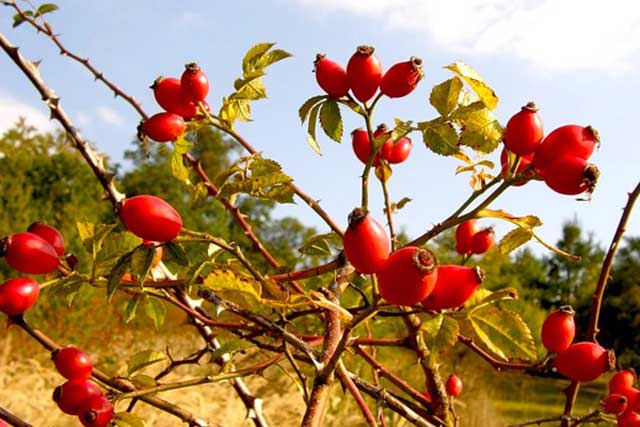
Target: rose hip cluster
x,y
560,158
471,239
409,275
181,99
79,396
623,399
582,361
36,251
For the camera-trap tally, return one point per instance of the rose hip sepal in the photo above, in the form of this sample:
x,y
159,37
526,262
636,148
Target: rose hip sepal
x,y
366,243
364,71
584,361
331,77
150,218
72,395
50,234
29,253
97,411
72,363
194,83
402,78
18,295
559,329
454,286
408,276
523,133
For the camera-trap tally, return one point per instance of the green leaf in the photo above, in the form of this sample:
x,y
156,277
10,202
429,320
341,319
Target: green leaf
x,y
252,90
143,359
481,131
331,120
266,181
253,55
46,8
230,284
402,203
444,97
142,261
272,57
174,252
128,419
311,129
484,296
477,83
17,20
178,168
112,248
514,239
442,332
321,245
239,83
155,310
118,270
143,381
230,348
503,332
401,129
441,139
305,108
131,309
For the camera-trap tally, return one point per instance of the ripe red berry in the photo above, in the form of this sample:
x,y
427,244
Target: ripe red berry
x,y
525,161
402,78
622,381
72,363
614,404
331,77
163,127
170,96
566,140
584,361
571,176
97,411
559,329
3,424
482,241
455,285
194,83
150,218
18,295
408,276
364,71
633,398
29,253
398,151
453,385
71,395
366,243
464,233
50,234
629,419
523,133
361,144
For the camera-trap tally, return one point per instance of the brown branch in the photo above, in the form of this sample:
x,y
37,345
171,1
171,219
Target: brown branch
x,y
12,419
498,365
95,161
348,383
538,422
571,391
309,272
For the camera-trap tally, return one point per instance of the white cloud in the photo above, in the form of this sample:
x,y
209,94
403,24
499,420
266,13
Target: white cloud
x,y
83,119
190,20
110,116
551,34
11,109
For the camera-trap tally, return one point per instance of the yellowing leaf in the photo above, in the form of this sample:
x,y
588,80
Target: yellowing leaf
x,y
477,83
230,284
514,239
331,120
529,221
444,97
441,139
144,358
311,129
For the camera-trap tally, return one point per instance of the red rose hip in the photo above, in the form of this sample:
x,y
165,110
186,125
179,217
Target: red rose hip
x,y
366,243
571,176
396,152
614,404
361,144
194,83
170,96
408,276
331,77
569,140
50,234
97,411
453,385
18,295
72,395
464,234
584,361
559,329
364,71
523,133
454,286
402,78
150,218
629,419
163,127
525,161
29,253
622,381
72,363
482,241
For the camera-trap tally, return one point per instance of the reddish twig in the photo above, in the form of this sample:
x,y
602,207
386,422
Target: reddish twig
x,y
309,272
12,419
348,383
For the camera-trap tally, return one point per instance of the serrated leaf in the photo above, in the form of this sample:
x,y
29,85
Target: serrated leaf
x,y
142,260
155,310
441,139
444,97
175,252
228,282
253,55
230,348
321,244
514,239
112,247
46,8
311,129
252,90
442,332
477,83
178,168
131,309
401,129
272,57
143,359
242,109
481,131
303,111
115,275
128,419
484,296
143,381
239,83
331,120
504,332
528,222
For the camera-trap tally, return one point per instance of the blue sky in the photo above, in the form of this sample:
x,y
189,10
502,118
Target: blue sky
x,y
578,60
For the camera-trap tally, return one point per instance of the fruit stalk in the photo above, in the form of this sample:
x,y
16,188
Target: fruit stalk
x,y
387,210
12,419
